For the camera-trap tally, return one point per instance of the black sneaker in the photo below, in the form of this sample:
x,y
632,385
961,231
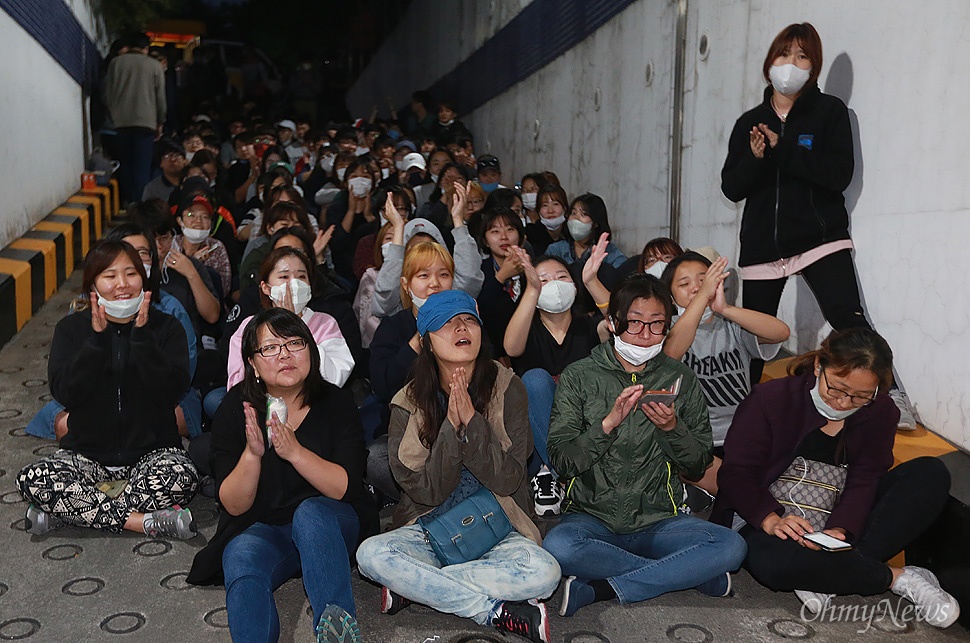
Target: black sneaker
x,y
527,619
392,603
547,493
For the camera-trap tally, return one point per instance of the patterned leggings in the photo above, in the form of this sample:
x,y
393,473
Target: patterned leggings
x,y
65,485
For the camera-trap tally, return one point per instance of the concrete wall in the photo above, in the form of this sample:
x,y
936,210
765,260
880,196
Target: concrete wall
x,y
42,128
593,117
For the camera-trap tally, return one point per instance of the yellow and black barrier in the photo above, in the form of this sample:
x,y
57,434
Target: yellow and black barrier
x,y
34,266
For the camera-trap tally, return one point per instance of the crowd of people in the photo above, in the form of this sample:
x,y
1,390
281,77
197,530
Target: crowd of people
x,y
311,322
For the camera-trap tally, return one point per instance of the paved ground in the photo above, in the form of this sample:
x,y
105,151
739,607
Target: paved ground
x,y
76,585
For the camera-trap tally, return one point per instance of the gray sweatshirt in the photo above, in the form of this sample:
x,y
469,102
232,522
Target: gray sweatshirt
x,y
468,273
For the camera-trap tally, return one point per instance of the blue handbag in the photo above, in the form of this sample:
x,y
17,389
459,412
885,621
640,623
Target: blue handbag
x,y
467,530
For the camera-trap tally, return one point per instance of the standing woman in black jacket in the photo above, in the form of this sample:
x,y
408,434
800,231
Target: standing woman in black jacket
x,y
120,369
791,158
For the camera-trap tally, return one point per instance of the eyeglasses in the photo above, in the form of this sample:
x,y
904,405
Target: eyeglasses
x,y
839,394
204,218
144,253
171,156
273,350
635,326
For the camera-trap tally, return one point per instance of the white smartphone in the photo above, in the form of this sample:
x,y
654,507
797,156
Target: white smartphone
x,y
826,542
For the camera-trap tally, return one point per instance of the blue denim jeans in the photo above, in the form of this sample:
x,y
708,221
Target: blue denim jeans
x,y
541,388
212,401
42,424
263,557
676,553
516,569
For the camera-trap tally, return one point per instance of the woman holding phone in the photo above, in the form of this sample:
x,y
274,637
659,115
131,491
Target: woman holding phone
x,y
832,410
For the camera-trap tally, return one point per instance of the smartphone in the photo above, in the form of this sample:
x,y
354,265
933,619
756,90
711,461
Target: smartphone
x,y
828,543
662,397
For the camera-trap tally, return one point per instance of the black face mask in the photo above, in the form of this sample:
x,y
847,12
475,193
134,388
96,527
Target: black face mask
x,y
416,179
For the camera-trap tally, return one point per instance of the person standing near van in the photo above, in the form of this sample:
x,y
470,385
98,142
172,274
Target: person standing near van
x,y
135,96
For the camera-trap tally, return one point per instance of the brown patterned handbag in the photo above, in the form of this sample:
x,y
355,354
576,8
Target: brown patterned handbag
x,y
811,489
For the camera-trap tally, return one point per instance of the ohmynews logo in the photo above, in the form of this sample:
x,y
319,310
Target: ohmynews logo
x,y
899,613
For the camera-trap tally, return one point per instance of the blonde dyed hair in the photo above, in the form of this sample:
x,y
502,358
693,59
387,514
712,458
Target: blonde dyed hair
x,y
418,257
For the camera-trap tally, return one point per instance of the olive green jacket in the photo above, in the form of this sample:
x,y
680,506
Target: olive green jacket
x,y
629,478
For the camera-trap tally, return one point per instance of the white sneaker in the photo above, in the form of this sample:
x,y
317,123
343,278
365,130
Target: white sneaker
x,y
547,493
907,414
934,605
814,602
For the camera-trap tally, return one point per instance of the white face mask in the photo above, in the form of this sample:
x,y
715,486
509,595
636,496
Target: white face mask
x,y
434,178
122,308
189,155
556,296
552,224
340,173
360,185
385,172
705,316
579,230
824,409
636,355
195,236
384,248
148,269
446,123
326,163
300,293
529,200
417,301
788,79
656,269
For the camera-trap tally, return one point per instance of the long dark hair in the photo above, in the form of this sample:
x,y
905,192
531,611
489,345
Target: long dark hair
x,y
595,209
850,349
425,391
281,323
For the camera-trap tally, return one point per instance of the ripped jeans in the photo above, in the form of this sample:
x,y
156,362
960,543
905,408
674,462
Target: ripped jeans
x,y
516,569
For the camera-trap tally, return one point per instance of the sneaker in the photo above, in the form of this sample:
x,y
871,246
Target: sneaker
x,y
174,523
718,587
575,594
337,626
526,618
392,603
907,414
547,493
39,522
933,604
814,602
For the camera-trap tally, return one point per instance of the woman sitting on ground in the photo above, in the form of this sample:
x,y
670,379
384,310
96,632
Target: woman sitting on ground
x,y
120,370
833,410
460,426
622,535
543,337
286,484
284,282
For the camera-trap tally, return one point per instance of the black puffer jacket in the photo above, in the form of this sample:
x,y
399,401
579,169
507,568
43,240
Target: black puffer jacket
x,y
793,195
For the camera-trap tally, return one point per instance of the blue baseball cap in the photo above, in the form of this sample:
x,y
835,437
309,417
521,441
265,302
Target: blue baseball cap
x,y
441,307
